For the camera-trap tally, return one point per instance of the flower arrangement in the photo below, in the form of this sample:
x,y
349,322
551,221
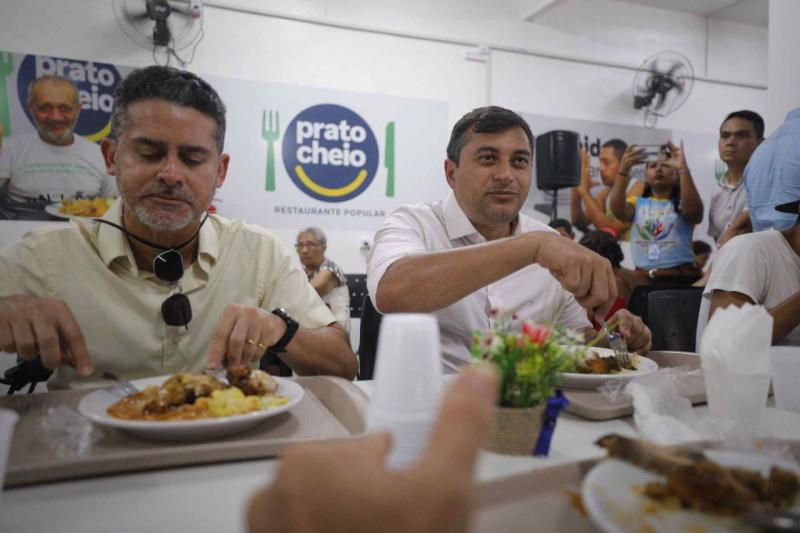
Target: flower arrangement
x,y
530,358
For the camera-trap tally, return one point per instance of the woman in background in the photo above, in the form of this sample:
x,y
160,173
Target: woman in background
x,y
325,276
663,217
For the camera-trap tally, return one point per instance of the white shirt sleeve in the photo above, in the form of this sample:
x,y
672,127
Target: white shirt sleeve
x,y
401,235
739,267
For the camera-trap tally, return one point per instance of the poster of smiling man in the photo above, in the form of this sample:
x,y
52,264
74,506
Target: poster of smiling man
x,y
52,113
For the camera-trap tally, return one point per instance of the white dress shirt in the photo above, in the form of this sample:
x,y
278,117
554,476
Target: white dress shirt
x,y
532,292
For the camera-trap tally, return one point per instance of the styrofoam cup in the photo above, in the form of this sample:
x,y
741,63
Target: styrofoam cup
x,y
785,369
408,384
8,419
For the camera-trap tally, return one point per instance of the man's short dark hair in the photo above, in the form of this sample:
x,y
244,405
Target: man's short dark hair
x,y
491,119
700,247
751,116
166,83
602,243
618,145
561,223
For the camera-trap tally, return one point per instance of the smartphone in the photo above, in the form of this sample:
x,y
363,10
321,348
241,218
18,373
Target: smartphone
x,y
654,152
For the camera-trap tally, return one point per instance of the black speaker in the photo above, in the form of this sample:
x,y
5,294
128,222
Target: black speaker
x,y
558,161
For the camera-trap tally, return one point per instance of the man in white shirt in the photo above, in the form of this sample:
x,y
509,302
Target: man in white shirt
x,y
739,135
473,252
762,268
52,162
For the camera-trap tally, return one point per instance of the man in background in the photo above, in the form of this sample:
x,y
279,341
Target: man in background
x,y
762,268
739,135
773,174
585,208
52,163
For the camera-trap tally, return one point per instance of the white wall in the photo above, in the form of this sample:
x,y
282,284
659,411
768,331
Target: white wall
x,y
279,49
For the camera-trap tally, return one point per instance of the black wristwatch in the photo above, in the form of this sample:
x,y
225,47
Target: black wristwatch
x,y
291,329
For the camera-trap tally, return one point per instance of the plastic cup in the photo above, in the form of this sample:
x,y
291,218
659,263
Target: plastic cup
x,y
8,420
408,384
785,369
735,402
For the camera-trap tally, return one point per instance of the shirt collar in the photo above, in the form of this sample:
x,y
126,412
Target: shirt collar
x,y
725,184
458,225
113,244
455,221
793,114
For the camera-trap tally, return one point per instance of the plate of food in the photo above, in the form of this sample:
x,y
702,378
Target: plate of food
x,y
596,366
80,208
649,488
187,405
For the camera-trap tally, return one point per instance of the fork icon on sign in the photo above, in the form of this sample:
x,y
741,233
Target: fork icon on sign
x,y
270,134
6,68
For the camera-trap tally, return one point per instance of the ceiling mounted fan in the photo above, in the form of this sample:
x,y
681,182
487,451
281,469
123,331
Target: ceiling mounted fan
x,y
168,25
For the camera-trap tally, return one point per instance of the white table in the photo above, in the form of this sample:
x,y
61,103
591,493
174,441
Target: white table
x,y
214,497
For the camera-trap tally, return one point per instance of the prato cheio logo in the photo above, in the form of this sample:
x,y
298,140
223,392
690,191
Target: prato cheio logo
x,y
330,152
96,83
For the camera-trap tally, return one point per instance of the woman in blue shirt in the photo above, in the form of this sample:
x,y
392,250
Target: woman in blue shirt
x,y
663,217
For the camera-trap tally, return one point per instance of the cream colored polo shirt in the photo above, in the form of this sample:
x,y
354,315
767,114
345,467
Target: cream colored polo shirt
x,y
90,266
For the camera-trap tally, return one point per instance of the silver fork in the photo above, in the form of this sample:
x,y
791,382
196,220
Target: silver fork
x,y
617,344
121,383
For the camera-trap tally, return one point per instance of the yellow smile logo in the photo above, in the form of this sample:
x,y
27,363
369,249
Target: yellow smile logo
x,y
328,191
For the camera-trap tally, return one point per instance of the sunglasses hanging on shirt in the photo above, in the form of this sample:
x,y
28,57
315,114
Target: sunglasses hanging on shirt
x,y
176,310
168,266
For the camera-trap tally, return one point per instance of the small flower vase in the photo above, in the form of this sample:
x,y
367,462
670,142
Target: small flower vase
x,y
515,430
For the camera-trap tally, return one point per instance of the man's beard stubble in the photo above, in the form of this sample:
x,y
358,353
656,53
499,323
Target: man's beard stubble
x,y
159,219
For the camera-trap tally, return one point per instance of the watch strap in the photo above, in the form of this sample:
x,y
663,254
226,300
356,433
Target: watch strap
x,y
291,328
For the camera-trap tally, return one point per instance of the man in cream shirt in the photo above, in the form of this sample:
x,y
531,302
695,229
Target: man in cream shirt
x,y
97,296
474,252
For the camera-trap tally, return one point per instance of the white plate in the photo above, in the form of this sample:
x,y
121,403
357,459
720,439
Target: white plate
x,y
592,381
611,494
54,210
95,404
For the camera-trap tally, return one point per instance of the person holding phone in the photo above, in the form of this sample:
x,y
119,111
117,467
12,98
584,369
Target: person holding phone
x,y
663,217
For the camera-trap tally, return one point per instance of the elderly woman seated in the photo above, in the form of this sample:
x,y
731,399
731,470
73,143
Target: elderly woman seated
x,y
325,276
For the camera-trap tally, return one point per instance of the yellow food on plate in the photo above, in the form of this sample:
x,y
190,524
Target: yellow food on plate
x,y
232,401
189,396
94,207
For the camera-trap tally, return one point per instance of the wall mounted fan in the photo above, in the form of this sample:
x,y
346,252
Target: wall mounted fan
x,y
662,84
167,25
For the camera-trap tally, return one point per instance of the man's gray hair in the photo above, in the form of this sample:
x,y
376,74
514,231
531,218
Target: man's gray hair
x,y
317,233
52,78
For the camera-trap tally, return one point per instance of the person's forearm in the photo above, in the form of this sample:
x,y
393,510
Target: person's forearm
x,y
430,281
576,210
616,198
596,214
324,351
786,317
691,204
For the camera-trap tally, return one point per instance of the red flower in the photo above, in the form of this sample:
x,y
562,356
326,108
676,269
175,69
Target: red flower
x,y
536,334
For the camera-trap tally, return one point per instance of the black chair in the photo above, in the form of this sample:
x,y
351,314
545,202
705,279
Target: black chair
x,y
357,285
672,318
637,303
368,346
